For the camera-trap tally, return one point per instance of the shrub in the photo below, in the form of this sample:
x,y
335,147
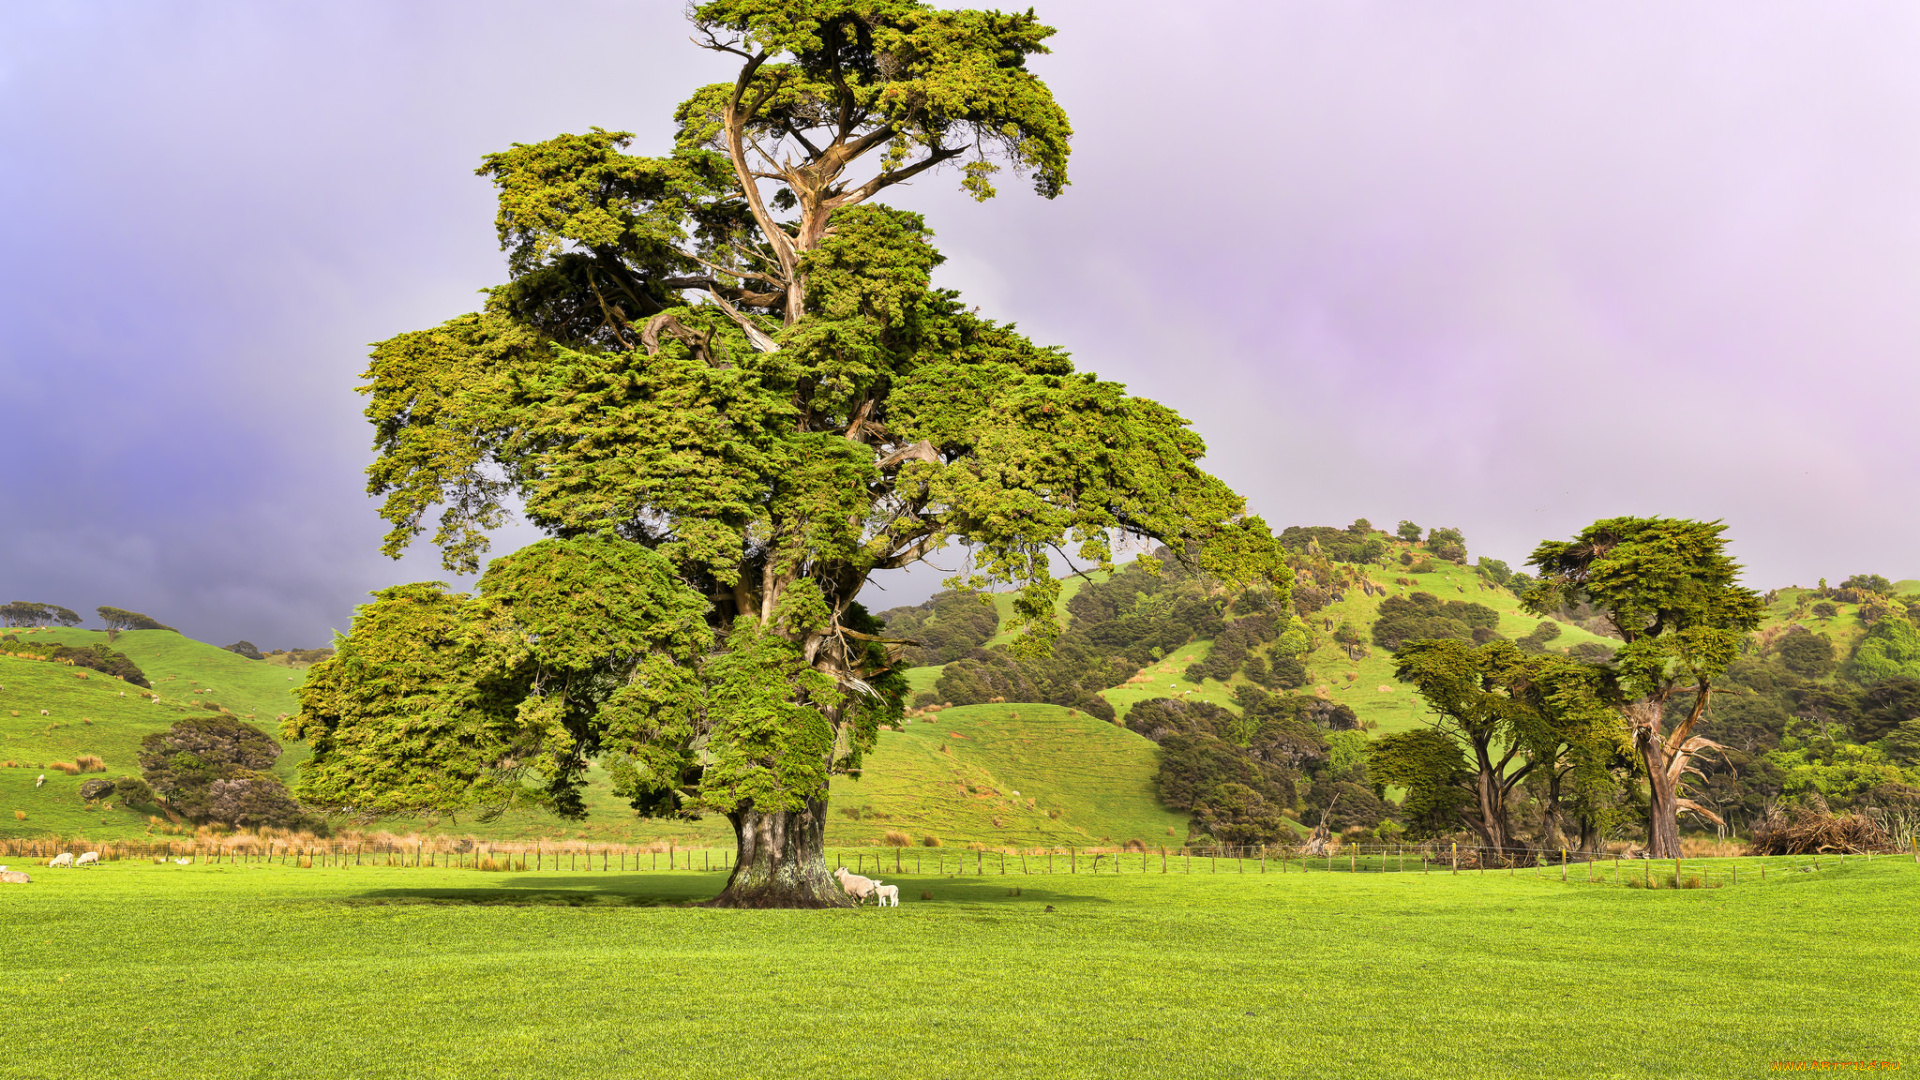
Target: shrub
x,y
67,767
929,841
1824,610
1409,532
133,791
244,648
213,770
20,815
896,839
90,763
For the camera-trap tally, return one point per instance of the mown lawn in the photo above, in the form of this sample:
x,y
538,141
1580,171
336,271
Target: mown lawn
x,y
135,970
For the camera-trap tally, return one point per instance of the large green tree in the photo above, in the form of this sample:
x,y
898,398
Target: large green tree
x,y
1669,589
729,362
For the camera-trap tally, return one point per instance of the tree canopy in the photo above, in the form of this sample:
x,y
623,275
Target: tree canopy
x,y
727,370
1671,592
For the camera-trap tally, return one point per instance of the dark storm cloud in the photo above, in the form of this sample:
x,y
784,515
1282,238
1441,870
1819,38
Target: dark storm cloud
x,y
1500,266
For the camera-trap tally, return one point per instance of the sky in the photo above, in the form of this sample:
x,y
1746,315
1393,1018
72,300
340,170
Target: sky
x,y
1506,267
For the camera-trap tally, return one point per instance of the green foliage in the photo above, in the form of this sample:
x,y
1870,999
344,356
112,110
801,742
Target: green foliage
x,y
1536,639
244,648
214,769
133,791
1494,570
948,626
1825,610
1422,615
1239,815
1868,583
27,613
1448,544
1430,766
1408,532
1891,649
94,657
122,619
1339,545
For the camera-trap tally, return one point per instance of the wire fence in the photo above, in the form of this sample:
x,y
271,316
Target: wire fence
x,y
1589,867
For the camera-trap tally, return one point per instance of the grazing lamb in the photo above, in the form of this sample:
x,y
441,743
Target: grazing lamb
x,y
14,877
183,862
42,780
87,859
65,858
857,887
887,895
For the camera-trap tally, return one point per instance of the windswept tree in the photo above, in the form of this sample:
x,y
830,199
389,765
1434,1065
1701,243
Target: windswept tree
x,y
723,381
1671,592
118,619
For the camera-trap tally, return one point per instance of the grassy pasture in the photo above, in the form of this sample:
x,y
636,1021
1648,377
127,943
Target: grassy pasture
x,y
136,970
953,774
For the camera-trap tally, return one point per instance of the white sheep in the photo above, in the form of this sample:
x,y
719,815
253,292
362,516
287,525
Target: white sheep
x,y
65,858
887,895
183,862
87,859
42,780
856,886
14,877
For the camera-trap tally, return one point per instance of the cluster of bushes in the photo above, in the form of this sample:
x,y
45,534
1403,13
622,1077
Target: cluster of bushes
x,y
244,648
213,770
95,657
1422,615
948,626
1242,777
1357,543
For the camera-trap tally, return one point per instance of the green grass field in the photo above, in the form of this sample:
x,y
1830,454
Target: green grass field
x,y
1080,781
136,970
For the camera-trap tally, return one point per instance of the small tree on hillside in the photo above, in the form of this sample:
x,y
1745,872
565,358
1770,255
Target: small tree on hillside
x,y
1668,588
723,380
118,619
1408,531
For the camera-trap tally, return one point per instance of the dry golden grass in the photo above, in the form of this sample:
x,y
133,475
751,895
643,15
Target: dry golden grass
x,y
67,767
90,763
895,838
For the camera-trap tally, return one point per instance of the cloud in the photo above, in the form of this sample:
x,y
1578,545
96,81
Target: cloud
x,y
1500,266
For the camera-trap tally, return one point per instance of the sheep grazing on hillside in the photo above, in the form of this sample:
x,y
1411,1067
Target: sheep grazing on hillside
x,y
42,780
87,859
856,886
887,895
65,858
183,862
14,877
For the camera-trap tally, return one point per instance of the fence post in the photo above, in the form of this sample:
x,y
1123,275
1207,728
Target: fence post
x,y
1456,858
1563,864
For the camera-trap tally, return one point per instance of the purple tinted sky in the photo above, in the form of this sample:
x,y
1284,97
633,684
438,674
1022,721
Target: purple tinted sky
x,y
1507,267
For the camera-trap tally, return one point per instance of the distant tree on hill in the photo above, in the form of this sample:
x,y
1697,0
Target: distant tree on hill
x,y
1825,610
122,619
1361,527
1536,639
1448,544
1338,545
1667,588
1494,570
1868,583
20,613
1409,532
244,648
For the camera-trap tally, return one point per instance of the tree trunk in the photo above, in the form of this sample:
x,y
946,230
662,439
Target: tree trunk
x,y
781,861
1663,807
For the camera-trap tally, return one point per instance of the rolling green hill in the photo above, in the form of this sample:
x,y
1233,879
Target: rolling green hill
x,y
1006,775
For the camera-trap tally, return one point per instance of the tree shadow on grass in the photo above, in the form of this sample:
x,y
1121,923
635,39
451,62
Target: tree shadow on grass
x,y
558,890
687,890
